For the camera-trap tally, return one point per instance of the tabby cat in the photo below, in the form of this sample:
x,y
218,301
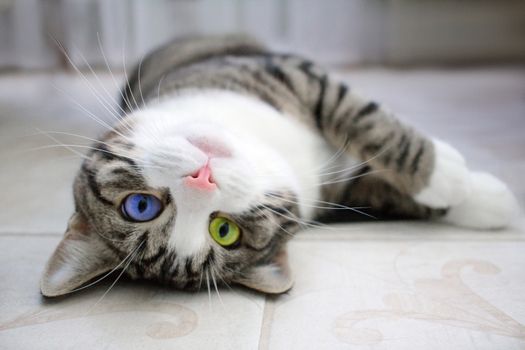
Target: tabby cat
x,y
225,151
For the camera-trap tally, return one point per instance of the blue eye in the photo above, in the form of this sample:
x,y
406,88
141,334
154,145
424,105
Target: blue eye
x,y
141,207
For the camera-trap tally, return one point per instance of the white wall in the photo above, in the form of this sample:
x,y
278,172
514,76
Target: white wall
x,y
23,42
331,31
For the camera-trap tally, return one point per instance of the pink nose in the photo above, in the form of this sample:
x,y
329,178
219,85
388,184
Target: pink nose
x,y
201,180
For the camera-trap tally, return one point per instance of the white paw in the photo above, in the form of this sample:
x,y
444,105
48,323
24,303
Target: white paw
x,y
490,204
449,183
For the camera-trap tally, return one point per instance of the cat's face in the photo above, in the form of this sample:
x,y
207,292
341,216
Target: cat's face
x,y
185,201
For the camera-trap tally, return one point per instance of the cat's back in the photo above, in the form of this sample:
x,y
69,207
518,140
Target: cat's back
x,y
166,62
233,63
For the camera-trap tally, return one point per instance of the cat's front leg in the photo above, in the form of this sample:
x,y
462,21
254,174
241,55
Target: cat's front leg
x,y
449,181
473,199
431,171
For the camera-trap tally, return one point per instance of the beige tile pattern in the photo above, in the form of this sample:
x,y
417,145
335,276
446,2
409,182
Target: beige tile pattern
x,y
358,286
130,316
403,294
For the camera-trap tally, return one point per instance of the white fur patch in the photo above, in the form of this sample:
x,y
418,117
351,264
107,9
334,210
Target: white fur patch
x,y
490,204
260,150
450,182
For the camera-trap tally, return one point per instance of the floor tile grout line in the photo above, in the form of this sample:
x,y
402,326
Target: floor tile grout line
x,y
266,325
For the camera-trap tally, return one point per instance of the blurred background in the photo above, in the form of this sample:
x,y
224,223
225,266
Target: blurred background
x,y
338,32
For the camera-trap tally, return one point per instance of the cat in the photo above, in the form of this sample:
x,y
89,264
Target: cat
x,y
226,150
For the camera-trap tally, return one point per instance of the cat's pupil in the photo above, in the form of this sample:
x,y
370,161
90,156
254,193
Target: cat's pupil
x,y
142,205
224,229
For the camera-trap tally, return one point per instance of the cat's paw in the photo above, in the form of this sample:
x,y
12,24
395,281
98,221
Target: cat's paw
x,y
449,182
490,205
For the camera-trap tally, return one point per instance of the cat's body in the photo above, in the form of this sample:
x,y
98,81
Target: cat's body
x,y
223,132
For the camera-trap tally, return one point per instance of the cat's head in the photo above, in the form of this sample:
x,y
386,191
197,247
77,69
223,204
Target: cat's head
x,y
185,201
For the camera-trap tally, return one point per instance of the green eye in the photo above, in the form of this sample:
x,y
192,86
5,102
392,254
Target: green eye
x,y
224,231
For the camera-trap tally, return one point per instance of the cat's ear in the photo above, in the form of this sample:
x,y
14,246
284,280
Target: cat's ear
x,y
79,257
272,278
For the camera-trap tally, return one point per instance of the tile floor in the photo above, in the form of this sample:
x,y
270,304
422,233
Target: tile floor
x,y
360,286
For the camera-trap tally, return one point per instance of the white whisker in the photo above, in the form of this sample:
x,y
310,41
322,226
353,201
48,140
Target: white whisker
x,y
112,102
138,80
103,277
158,87
117,86
262,213
68,146
216,288
102,101
90,114
126,78
359,165
296,219
328,205
334,157
60,144
209,291
234,291
135,251
346,179
47,132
